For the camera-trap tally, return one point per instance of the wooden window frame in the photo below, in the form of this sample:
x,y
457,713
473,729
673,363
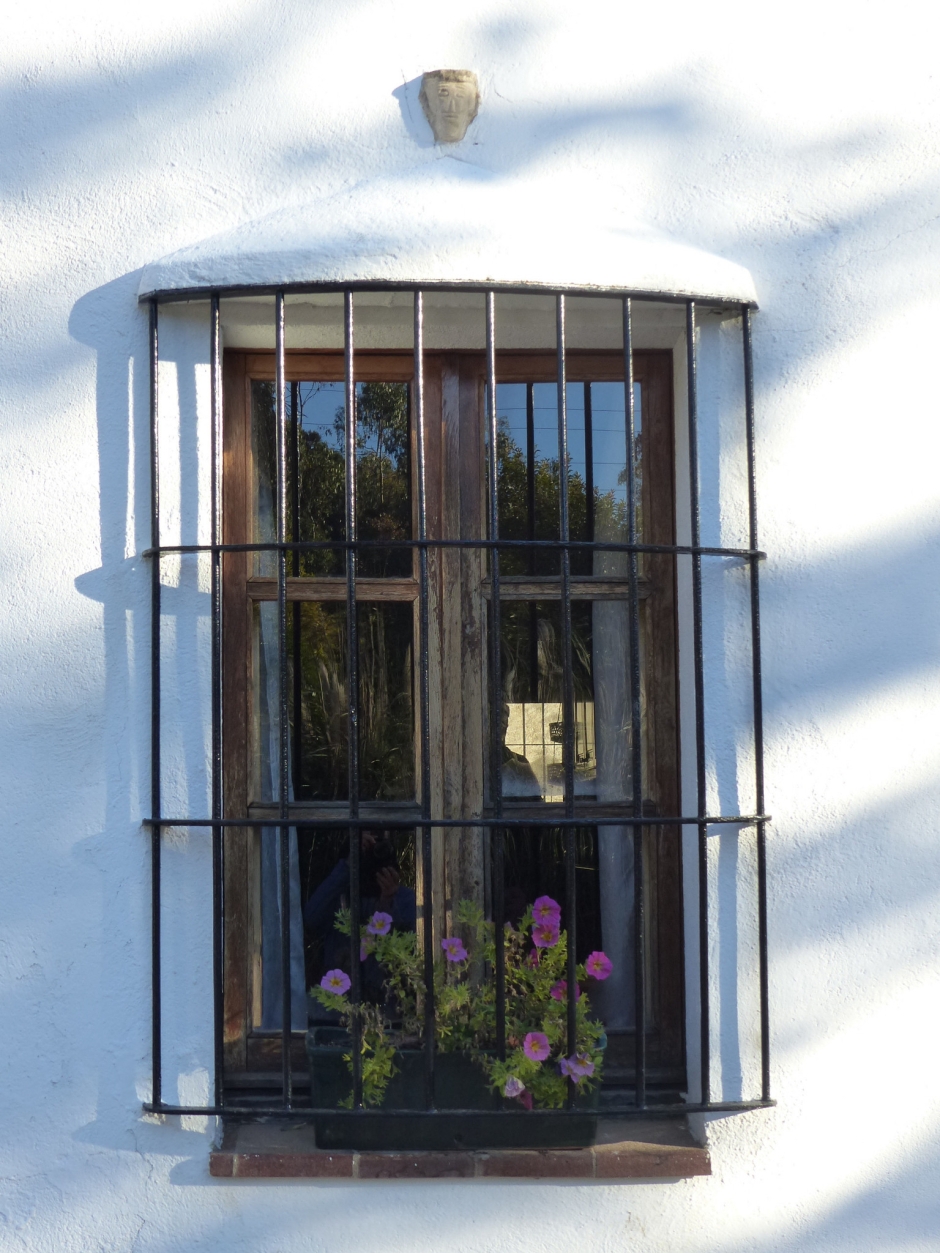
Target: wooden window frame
x,y
454,384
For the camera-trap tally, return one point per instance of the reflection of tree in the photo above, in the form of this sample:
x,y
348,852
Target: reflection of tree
x,y
386,718
610,514
383,478
518,620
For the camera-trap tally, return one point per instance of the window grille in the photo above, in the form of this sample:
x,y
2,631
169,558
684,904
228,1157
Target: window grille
x,y
498,822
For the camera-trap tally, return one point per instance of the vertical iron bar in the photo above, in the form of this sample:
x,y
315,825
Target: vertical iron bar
x,y
531,563
589,468
758,709
216,596
698,659
283,758
496,677
297,738
155,806
636,725
352,682
426,860
568,728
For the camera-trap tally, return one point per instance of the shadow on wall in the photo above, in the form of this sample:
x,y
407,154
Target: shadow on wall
x,y
822,655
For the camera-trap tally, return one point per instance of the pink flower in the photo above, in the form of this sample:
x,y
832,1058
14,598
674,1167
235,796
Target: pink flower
x,y
336,981
577,1067
599,965
560,991
513,1086
544,936
526,1099
379,923
536,1046
454,949
547,910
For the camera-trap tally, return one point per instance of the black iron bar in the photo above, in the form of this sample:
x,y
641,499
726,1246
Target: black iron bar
x,y
568,727
352,684
532,554
218,850
682,550
496,677
699,678
651,1111
544,819
763,974
588,463
425,698
296,612
283,756
155,831
172,295
636,724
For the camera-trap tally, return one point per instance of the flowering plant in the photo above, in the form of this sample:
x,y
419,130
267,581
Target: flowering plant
x,y
537,1069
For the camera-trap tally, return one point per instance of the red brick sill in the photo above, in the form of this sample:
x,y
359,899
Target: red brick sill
x,y
286,1151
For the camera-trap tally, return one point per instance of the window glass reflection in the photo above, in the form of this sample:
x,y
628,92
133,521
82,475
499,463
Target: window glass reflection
x,y
316,476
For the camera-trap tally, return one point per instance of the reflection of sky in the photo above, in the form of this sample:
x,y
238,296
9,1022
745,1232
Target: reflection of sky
x,y
318,405
319,402
608,427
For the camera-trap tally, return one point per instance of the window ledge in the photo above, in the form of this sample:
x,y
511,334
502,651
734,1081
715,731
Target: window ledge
x,y
626,1149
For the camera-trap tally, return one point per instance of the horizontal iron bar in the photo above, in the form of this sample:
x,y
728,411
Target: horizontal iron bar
x,y
540,820
176,295
339,545
264,1111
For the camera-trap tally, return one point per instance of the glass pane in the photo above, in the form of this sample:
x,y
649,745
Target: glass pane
x,y
316,476
387,882
319,708
383,476
532,675
528,468
535,866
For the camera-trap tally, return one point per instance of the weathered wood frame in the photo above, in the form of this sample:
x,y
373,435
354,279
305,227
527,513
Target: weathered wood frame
x,y
454,388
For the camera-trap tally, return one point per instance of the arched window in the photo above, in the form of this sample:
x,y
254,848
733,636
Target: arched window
x,y
462,628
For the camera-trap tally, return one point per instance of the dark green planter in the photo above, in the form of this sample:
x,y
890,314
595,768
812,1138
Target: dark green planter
x,y
459,1084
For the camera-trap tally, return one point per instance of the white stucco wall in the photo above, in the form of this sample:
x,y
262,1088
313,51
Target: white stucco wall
x,y
803,145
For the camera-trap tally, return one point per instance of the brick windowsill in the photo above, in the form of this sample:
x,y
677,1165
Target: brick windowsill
x,y
271,1149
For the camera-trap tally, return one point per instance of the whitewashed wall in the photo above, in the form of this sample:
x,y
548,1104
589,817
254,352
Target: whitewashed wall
x,y
804,144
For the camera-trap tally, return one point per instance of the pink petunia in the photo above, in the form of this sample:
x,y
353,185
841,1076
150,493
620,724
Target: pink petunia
x,y
454,949
513,1086
559,991
536,1046
379,923
599,965
577,1067
544,936
336,981
547,910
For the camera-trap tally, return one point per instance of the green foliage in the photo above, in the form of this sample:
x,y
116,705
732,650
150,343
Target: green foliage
x,y
465,1008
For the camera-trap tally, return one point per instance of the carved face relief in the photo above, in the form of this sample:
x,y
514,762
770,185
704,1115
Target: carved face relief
x,y
450,99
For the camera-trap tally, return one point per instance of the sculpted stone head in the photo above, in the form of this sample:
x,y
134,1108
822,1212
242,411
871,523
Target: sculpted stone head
x,y
450,99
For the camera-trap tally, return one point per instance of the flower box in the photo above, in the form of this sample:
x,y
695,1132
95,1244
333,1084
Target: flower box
x,y
459,1085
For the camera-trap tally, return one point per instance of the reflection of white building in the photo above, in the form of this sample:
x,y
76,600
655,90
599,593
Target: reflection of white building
x,y
535,732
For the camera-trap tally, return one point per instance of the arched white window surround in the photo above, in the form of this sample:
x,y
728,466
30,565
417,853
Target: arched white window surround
x,y
447,224
447,229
